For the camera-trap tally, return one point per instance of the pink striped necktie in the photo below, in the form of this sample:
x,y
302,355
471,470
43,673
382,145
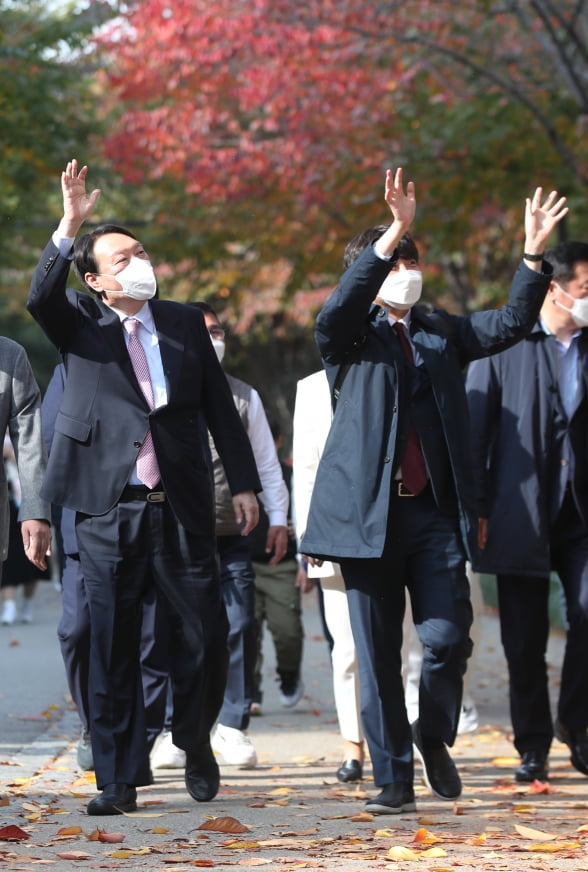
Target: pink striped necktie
x,y
147,467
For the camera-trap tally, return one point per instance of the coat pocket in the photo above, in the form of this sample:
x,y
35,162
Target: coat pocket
x,y
78,430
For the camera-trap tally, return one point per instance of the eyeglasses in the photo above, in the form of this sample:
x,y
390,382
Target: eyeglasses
x,y
216,332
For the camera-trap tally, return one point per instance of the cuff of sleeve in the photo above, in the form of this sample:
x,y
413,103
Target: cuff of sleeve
x,y
64,244
277,519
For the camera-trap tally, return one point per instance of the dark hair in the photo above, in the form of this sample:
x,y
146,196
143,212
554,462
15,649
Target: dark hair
x,y
406,248
204,307
564,257
84,258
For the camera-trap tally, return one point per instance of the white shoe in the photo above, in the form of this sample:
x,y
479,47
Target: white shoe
x,y
166,755
26,614
235,746
291,693
8,613
468,718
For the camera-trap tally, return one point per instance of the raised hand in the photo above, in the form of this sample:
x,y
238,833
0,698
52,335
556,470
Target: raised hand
x,y
78,205
402,205
541,218
403,208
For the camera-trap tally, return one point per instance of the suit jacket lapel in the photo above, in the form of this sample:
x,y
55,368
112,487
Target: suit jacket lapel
x,y
170,332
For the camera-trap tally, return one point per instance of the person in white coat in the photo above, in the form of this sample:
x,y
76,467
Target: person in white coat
x,y
312,420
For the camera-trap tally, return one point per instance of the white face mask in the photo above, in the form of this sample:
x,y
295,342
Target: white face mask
x,y
402,288
219,347
137,279
578,310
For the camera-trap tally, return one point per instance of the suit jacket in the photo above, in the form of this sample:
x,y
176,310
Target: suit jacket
x,y
514,403
350,502
20,412
104,416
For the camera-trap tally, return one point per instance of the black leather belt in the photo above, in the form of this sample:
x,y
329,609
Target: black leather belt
x,y
401,490
135,492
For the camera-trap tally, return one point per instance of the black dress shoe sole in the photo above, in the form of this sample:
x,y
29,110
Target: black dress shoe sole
x,y
376,807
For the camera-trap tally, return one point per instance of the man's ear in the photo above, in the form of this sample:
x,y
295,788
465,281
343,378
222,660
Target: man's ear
x,y
93,282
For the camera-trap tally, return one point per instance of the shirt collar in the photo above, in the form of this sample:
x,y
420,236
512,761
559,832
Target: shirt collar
x,y
144,315
546,330
404,320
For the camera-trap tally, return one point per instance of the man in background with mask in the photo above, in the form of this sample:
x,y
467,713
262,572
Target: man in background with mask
x,y
393,501
529,419
129,457
237,575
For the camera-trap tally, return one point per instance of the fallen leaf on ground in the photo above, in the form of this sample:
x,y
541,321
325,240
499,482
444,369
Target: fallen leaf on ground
x,y
540,787
424,837
73,855
528,833
12,833
225,825
69,831
399,852
503,762
554,847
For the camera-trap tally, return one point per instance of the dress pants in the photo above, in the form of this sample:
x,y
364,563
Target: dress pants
x,y
277,602
74,639
423,553
238,591
125,553
524,624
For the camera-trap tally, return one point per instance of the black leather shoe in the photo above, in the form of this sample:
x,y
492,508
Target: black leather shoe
x,y
394,799
350,770
533,767
441,776
577,742
114,799
202,773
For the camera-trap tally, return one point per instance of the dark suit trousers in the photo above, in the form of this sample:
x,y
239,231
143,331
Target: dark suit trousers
x,y
524,624
74,639
238,589
124,554
423,553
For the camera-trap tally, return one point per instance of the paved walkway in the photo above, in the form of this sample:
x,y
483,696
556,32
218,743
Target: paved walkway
x,y
296,813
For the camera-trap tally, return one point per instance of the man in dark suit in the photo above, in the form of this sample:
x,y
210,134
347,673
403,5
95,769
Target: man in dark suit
x,y
529,420
129,457
392,500
73,630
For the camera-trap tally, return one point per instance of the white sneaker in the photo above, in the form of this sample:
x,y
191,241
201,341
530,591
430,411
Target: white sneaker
x,y
468,718
166,755
291,693
26,614
8,613
235,746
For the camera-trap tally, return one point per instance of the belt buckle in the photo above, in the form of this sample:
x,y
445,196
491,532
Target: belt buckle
x,y
155,497
403,490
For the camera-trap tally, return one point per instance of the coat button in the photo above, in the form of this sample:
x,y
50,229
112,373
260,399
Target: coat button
x,y
386,459
137,444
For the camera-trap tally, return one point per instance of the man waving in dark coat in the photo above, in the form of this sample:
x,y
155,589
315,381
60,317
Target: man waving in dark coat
x,y
393,498
529,413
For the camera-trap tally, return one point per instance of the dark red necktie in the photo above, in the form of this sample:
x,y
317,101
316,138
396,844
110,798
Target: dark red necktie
x,y
412,465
